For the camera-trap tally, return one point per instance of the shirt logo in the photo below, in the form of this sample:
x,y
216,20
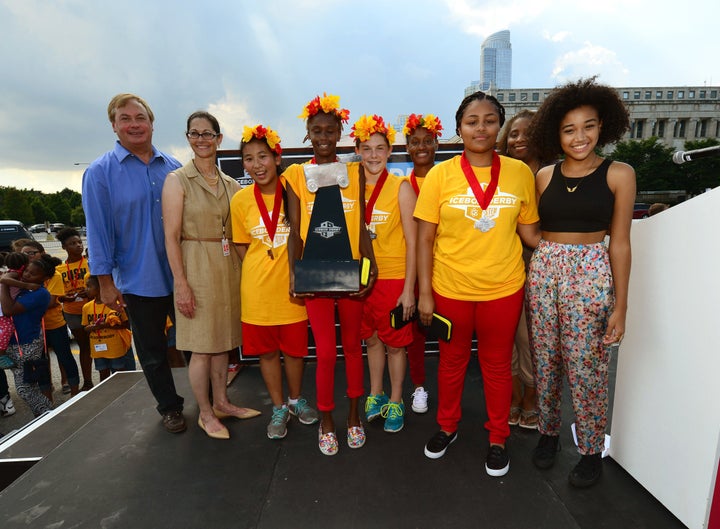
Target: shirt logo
x,y
469,205
282,232
327,230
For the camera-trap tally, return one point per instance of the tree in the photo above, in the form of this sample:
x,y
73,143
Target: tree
x,y
60,206
652,162
703,173
40,211
17,206
77,217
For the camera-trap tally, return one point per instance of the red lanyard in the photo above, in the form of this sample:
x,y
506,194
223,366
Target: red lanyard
x,y
375,194
414,182
483,198
73,280
270,224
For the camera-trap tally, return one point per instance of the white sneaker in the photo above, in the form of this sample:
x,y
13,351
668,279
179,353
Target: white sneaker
x,y
419,400
7,407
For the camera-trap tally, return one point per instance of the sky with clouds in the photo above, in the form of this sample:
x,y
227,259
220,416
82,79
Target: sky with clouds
x,y
252,62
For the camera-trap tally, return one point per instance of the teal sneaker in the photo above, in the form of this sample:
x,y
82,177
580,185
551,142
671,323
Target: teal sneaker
x,y
374,404
394,415
277,429
304,413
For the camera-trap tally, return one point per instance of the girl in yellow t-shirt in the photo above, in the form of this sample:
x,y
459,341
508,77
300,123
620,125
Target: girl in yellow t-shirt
x,y
472,212
389,204
272,321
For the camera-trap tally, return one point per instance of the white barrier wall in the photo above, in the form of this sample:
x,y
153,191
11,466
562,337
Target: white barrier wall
x,y
666,415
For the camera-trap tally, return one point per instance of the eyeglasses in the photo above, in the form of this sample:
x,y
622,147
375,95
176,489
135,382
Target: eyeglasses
x,y
207,135
31,252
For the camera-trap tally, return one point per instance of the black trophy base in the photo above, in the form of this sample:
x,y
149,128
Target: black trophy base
x,y
314,276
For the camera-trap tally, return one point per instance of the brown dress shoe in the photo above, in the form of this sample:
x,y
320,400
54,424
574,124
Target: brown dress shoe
x,y
174,422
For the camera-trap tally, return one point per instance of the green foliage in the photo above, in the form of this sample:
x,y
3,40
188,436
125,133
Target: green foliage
x,y
652,161
702,173
656,171
34,207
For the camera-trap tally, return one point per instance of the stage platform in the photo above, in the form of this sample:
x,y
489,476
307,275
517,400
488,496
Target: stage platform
x,y
104,461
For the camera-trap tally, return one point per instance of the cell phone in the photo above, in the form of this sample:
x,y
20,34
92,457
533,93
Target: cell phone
x,y
440,328
364,272
396,317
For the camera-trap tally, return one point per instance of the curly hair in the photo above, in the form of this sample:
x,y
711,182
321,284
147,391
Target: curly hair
x,y
47,263
503,139
544,132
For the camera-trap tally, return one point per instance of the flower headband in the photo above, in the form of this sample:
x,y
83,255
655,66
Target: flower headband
x,y
366,126
263,133
329,104
428,121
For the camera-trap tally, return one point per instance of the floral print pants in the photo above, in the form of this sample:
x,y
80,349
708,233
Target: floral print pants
x,y
569,293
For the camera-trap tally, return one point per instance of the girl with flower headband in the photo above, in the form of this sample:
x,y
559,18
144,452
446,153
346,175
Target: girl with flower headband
x,y
389,219
273,322
324,124
472,212
421,140
206,271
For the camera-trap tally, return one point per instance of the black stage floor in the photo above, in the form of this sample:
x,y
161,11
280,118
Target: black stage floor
x,y
118,468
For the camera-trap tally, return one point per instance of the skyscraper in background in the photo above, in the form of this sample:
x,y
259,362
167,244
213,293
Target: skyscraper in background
x,y
496,62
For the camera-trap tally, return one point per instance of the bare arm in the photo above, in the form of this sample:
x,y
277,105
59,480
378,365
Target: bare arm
x,y
173,198
529,234
13,282
295,243
621,180
241,250
425,243
406,201
8,304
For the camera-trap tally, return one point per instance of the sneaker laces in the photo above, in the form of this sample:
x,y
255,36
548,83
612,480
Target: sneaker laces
x,y
279,416
372,400
301,406
391,410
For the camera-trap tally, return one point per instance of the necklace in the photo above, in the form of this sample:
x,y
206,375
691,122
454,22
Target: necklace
x,y
580,179
211,181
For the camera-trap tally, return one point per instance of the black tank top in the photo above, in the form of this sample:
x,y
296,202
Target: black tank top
x,y
589,208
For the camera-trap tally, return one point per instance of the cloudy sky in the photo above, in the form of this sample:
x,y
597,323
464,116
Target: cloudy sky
x,y
254,62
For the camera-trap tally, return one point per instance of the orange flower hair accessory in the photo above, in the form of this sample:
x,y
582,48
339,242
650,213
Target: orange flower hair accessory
x,y
329,104
366,126
428,121
263,133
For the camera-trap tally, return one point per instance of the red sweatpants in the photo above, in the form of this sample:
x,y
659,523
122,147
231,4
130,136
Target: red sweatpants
x,y
416,355
494,323
321,313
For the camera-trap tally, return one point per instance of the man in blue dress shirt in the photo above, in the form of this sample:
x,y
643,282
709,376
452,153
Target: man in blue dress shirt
x,y
126,243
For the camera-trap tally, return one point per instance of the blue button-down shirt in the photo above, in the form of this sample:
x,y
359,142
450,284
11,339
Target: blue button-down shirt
x,y
121,198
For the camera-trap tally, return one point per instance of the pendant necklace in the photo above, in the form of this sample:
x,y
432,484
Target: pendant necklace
x,y
581,178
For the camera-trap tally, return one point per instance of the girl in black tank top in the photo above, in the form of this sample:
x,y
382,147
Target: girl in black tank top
x,y
577,285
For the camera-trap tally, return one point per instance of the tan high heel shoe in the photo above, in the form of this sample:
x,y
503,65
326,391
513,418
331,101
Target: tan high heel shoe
x,y
220,434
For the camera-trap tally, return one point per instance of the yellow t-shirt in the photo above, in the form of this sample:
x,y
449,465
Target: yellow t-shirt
x,y
389,242
295,177
104,343
54,318
73,276
469,264
265,285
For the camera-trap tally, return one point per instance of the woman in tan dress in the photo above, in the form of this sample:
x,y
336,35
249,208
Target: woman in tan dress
x,y
206,271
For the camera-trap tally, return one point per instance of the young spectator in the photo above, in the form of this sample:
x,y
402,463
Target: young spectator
x,y
470,212
27,348
273,323
656,208
421,139
324,128
577,286
109,333
389,205
74,272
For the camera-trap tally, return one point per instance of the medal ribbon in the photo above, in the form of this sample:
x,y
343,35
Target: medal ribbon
x,y
414,182
483,198
373,198
270,224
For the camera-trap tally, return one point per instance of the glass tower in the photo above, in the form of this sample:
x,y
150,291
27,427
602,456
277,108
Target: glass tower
x,y
496,62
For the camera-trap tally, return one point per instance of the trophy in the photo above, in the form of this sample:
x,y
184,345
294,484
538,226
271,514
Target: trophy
x,y
327,265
